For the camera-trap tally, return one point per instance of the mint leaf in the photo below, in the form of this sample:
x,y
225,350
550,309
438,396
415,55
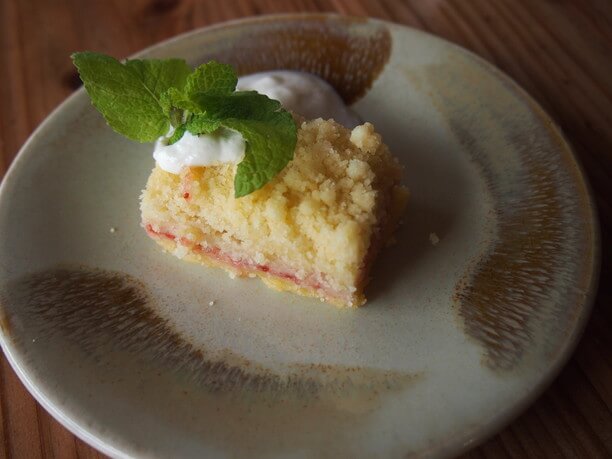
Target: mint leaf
x,y
201,124
174,99
270,147
212,78
242,105
160,75
128,95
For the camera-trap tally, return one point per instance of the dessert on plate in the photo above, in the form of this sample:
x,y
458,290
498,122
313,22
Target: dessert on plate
x,y
242,184
314,229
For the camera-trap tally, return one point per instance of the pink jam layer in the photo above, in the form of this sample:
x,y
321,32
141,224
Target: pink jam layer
x,y
241,265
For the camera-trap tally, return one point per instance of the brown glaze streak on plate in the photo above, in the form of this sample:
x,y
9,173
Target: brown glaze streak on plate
x,y
107,317
349,57
89,307
543,253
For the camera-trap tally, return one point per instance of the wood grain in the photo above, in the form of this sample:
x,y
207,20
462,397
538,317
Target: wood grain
x,y
559,51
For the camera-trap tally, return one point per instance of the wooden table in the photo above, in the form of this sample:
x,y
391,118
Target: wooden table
x,y
559,51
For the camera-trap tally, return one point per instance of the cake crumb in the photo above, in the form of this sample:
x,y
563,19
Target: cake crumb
x,y
434,239
180,251
113,229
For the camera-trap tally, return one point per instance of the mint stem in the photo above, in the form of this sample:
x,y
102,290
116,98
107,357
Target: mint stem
x,y
177,134
176,117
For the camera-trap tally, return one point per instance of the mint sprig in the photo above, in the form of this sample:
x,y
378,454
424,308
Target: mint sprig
x,y
141,99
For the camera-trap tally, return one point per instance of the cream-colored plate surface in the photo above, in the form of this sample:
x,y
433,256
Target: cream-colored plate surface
x,y
118,339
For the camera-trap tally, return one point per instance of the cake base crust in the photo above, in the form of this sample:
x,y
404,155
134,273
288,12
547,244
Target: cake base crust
x,y
280,281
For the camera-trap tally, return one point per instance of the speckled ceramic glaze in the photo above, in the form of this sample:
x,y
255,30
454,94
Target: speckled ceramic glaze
x,y
124,345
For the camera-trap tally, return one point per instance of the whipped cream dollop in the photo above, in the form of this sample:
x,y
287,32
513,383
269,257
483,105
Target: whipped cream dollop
x,y
222,146
299,92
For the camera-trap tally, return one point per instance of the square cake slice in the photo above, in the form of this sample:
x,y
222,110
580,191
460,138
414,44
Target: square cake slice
x,y
315,229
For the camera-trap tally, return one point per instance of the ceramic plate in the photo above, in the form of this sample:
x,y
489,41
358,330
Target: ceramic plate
x,y
120,343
